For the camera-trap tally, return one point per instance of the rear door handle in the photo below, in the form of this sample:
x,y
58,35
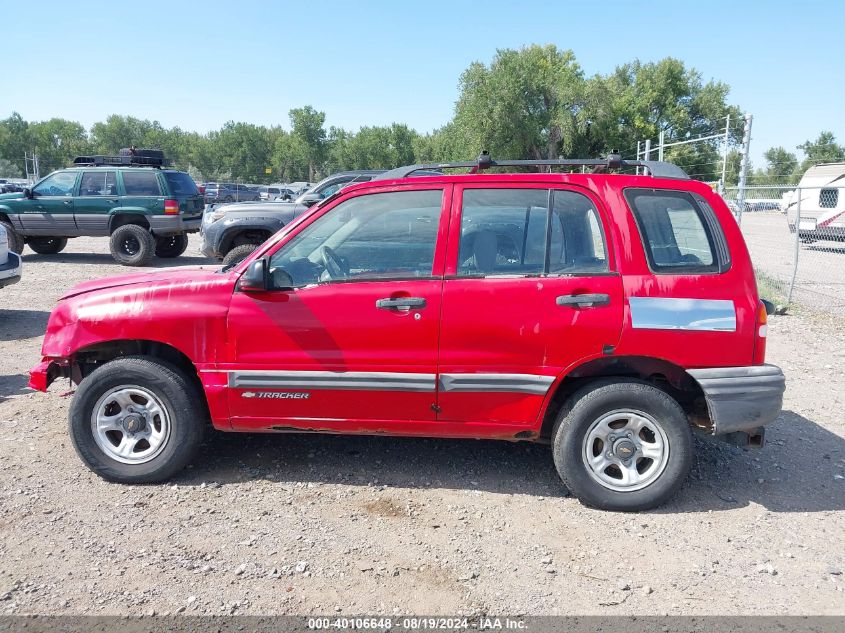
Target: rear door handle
x,y
400,303
583,301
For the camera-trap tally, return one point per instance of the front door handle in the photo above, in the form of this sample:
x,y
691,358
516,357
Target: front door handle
x,y
68,201
400,303
583,301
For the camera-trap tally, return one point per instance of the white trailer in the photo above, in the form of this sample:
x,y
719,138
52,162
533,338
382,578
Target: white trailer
x,y
822,197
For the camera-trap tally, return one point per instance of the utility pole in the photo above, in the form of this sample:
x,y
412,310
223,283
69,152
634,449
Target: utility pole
x,y
743,168
725,155
647,149
660,147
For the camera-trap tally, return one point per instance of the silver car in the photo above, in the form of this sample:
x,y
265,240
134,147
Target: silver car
x,y
10,263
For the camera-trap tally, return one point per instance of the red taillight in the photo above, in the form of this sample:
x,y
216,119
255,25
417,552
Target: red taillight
x,y
171,207
760,331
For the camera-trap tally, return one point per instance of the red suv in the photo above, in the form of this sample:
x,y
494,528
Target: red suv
x,y
609,314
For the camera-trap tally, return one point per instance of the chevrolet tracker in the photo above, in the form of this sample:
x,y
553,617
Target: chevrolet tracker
x,y
606,313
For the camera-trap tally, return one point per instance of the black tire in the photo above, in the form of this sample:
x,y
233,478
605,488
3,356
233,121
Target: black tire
x,y
169,246
15,239
228,199
239,253
178,397
47,245
592,404
132,245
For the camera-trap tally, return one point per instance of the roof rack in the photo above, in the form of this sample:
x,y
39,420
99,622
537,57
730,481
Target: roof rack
x,y
101,160
658,169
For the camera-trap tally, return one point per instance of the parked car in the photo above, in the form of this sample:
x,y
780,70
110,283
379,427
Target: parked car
x,y
10,263
274,192
607,314
232,232
144,208
229,192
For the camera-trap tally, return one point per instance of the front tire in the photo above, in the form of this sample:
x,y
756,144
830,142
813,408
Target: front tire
x,y
15,239
239,253
169,246
47,245
136,420
132,245
622,445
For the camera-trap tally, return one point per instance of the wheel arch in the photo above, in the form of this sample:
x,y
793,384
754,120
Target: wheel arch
x,y
239,234
660,373
129,216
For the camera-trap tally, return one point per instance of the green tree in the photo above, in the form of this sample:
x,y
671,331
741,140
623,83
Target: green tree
x,y
14,139
57,142
8,169
824,149
308,137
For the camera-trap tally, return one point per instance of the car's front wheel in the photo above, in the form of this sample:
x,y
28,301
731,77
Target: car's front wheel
x,y
136,420
239,253
169,246
622,445
47,245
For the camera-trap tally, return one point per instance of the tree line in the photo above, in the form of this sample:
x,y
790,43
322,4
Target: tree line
x,y
535,102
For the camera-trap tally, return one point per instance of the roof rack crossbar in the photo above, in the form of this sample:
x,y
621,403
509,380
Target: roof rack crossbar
x,y
658,169
101,160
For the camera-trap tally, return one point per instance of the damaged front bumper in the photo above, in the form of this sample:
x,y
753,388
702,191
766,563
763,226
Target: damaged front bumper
x,y
45,372
741,400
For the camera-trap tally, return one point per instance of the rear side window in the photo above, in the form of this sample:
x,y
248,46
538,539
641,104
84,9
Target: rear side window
x,y
828,198
98,183
677,235
140,183
529,232
180,183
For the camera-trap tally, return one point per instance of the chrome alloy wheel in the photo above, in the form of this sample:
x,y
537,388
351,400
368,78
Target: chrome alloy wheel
x,y
625,450
130,424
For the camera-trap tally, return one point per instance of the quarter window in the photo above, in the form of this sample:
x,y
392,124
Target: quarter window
x,y
59,184
141,183
377,236
675,233
98,183
513,232
828,198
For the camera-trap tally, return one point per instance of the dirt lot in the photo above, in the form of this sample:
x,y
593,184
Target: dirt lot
x,y
321,524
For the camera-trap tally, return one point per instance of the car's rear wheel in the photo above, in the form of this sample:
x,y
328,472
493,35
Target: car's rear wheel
x,y
47,245
132,245
239,253
622,445
136,420
15,239
169,246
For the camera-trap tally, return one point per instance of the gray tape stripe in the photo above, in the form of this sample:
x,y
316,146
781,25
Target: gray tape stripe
x,y
662,313
516,383
351,380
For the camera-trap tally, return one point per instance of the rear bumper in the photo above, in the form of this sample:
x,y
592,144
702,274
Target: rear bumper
x,y
10,272
741,399
174,224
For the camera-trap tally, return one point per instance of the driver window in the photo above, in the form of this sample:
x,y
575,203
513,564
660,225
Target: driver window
x,y
59,184
377,236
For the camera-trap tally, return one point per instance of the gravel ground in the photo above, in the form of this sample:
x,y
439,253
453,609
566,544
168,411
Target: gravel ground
x,y
327,524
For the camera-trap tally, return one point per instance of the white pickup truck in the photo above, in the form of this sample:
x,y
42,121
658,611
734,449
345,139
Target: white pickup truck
x,y
10,263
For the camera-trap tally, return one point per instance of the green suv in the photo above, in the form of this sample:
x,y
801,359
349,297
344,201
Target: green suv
x,y
143,208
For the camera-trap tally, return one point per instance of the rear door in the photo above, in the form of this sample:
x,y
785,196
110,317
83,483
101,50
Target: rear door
x,y
97,196
50,212
531,289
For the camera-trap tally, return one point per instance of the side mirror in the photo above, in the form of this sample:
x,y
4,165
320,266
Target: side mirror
x,y
770,307
28,193
256,278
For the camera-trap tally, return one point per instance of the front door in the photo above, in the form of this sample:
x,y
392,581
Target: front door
x,y
530,290
352,345
97,196
50,211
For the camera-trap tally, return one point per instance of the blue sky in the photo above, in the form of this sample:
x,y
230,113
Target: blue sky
x,y
197,65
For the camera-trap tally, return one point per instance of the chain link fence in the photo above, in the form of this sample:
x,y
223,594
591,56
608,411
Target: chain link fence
x,y
796,237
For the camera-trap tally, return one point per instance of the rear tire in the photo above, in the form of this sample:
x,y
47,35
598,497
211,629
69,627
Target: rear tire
x,y
108,403
47,245
132,245
169,246
622,445
239,253
15,240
